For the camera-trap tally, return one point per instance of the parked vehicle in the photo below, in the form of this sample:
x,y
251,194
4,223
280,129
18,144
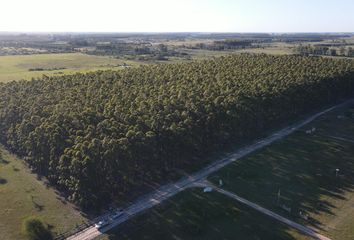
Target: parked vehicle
x,y
101,224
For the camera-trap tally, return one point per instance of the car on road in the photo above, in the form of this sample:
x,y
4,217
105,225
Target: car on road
x,y
117,214
101,224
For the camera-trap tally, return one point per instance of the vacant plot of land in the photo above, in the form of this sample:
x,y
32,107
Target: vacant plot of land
x,y
298,174
29,66
196,215
22,195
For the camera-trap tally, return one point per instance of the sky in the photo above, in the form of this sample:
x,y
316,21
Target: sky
x,y
177,15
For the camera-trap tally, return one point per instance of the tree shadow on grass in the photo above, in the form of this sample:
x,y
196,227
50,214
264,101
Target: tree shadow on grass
x,y
3,181
299,173
3,161
50,227
62,200
195,215
36,205
15,169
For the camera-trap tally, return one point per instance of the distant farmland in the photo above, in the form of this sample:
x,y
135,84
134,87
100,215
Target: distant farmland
x,y
32,66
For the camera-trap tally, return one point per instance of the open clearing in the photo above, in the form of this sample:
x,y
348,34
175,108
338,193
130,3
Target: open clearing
x,y
17,67
22,195
193,214
299,172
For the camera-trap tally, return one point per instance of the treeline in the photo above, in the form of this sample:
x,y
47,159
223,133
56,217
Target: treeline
x,y
229,44
28,47
97,136
39,69
137,51
324,50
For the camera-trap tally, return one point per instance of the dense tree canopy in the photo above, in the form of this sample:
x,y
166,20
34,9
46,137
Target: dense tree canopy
x,y
97,135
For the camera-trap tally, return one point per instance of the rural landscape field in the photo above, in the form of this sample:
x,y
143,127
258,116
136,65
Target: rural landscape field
x,y
176,120
18,67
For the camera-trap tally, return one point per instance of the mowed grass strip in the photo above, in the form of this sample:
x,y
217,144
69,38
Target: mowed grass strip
x,y
195,215
17,67
299,172
22,196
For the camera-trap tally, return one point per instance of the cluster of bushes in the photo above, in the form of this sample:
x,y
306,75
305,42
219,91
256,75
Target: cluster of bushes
x,y
34,229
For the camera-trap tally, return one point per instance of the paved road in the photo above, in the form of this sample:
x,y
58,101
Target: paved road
x,y
306,230
169,190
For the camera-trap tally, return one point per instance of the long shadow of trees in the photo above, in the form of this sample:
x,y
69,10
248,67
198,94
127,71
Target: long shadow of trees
x,y
193,214
3,161
295,177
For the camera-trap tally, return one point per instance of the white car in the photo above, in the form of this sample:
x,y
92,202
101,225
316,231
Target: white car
x,y
101,224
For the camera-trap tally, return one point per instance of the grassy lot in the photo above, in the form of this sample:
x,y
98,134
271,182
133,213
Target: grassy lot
x,y
22,195
338,123
299,172
196,215
17,67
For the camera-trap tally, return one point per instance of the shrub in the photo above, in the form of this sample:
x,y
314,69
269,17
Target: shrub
x,y
35,229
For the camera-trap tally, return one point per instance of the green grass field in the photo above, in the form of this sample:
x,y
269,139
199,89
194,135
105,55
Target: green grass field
x,y
303,168
22,195
195,215
338,123
17,67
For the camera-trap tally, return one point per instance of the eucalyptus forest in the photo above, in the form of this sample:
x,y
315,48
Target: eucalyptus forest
x,y
100,135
